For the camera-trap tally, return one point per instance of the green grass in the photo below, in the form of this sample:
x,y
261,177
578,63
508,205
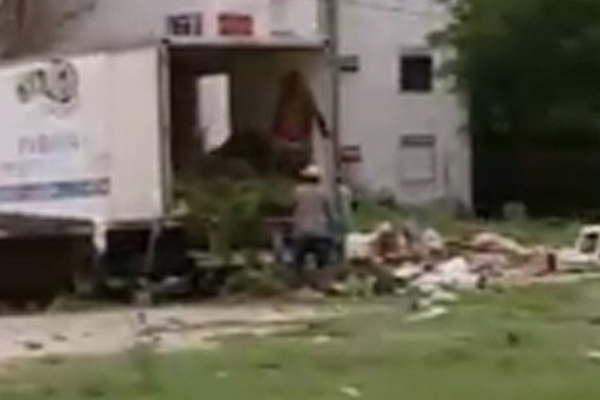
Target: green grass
x,y
465,355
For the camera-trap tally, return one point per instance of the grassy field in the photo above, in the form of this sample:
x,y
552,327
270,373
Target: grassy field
x,y
524,344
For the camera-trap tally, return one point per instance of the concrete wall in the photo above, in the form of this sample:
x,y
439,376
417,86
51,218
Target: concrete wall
x,y
295,17
375,114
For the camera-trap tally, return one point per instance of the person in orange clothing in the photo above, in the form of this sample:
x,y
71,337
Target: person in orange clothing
x,y
295,119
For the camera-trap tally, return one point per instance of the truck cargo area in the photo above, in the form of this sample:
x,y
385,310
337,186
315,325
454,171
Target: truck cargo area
x,y
254,79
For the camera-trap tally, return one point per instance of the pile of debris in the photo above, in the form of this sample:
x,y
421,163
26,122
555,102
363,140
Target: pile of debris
x,y
421,264
432,270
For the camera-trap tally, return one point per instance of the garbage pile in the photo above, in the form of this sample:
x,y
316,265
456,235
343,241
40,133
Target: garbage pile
x,y
585,254
432,270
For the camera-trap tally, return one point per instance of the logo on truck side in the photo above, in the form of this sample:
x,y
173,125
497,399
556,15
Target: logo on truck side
x,y
57,82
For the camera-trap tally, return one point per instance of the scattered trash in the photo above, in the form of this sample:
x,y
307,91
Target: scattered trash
x,y
429,314
359,247
388,246
222,374
407,272
351,392
433,242
594,356
385,245
493,263
456,274
493,242
443,297
586,253
339,289
321,339
412,231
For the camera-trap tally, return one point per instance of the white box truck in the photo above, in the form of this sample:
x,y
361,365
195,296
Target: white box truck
x,y
86,137
82,137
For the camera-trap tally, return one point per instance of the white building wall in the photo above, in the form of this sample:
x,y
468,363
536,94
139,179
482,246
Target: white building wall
x,y
295,17
375,114
96,23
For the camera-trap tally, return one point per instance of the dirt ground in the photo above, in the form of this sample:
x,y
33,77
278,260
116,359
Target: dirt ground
x,y
170,328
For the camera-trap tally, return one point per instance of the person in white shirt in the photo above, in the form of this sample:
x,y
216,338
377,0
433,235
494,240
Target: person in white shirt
x,y
312,219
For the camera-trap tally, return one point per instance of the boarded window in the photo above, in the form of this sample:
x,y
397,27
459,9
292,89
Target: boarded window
x,y
231,24
417,159
416,72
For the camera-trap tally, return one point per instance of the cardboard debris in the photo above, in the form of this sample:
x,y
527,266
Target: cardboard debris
x,y
351,392
433,242
456,274
383,246
493,242
359,246
491,264
407,272
416,265
585,255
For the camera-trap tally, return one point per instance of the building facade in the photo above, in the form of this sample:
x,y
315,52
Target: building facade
x,y
402,130
96,23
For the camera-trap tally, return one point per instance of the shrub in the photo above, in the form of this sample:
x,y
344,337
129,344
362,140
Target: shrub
x,y
229,214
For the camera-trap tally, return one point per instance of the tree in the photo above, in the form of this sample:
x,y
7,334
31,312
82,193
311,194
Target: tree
x,y
531,67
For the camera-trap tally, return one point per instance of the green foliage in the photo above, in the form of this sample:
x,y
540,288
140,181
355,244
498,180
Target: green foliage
x,y
143,360
256,283
231,214
530,67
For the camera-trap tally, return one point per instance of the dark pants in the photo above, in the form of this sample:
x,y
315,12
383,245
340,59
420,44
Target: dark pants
x,y
319,246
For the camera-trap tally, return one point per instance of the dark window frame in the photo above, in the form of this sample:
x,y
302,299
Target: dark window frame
x,y
416,73
190,24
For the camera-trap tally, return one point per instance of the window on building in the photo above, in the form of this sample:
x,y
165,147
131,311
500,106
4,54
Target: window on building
x,y
185,24
416,72
417,159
